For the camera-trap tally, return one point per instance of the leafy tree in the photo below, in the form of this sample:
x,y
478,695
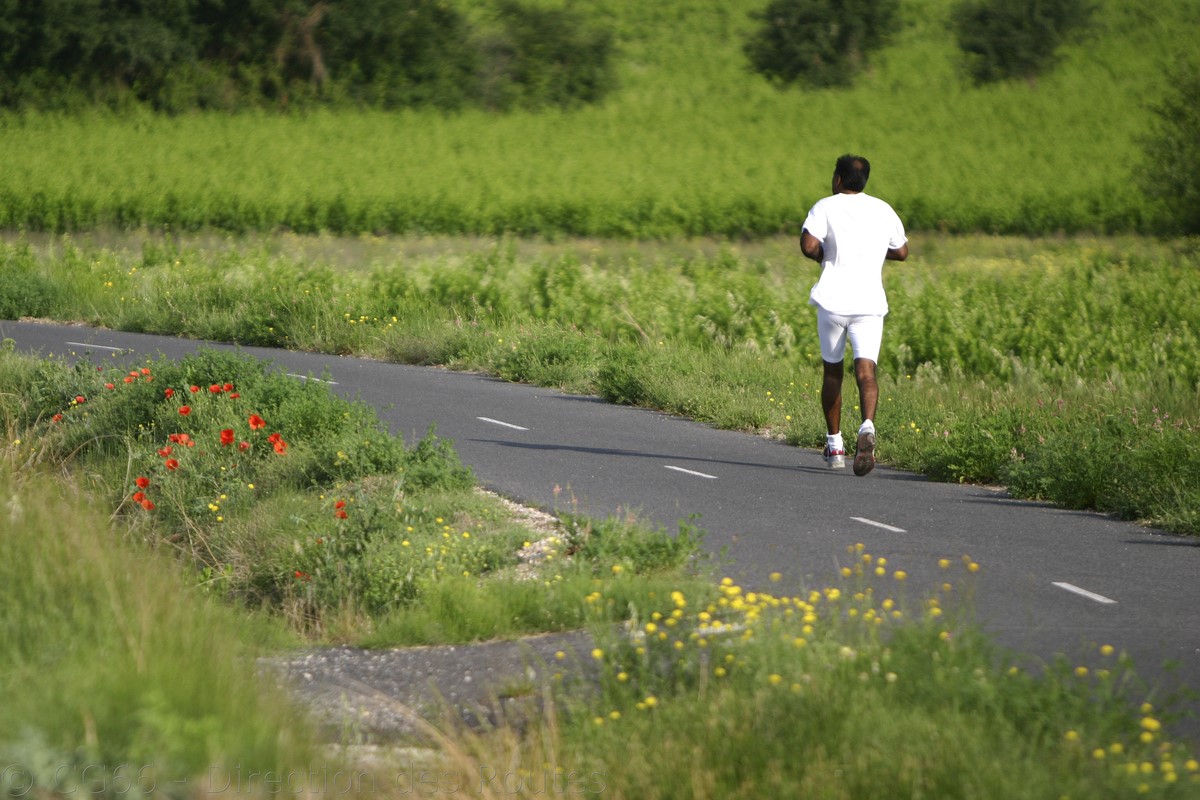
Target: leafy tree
x,y
180,54
400,52
1171,173
1003,39
819,42
96,45
542,56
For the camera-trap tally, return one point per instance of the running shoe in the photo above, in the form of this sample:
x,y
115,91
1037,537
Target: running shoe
x,y
835,457
864,454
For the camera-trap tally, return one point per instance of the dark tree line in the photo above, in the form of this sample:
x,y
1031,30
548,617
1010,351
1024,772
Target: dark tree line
x,y
182,54
822,43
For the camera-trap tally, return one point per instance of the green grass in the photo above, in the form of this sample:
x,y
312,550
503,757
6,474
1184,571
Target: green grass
x,y
692,144
280,496
115,669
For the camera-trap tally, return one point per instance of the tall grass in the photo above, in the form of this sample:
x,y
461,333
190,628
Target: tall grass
x,y
115,671
693,144
278,496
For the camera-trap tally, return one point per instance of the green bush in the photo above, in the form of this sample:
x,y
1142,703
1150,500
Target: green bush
x,y
1171,174
819,42
545,57
390,53
25,291
185,54
1004,39
92,44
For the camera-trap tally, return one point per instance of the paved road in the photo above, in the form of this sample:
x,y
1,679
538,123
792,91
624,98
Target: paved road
x,y
1052,581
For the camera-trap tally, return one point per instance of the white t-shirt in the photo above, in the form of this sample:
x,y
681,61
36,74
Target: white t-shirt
x,y
856,231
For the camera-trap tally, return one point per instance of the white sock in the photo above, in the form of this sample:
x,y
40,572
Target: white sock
x,y
867,427
834,441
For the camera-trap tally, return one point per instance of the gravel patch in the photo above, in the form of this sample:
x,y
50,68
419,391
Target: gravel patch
x,y
360,696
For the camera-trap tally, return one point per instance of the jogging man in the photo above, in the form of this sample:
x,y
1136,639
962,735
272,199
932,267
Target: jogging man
x,y
851,234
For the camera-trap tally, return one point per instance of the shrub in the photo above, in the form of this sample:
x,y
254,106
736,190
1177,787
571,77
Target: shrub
x,y
389,54
818,42
1172,170
181,54
1004,39
545,56
25,290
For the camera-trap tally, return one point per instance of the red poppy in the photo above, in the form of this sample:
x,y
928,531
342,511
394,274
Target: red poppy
x,y
243,446
127,379
275,437
169,392
146,504
234,395
134,374
340,504
56,418
340,514
193,389
142,482
280,447
227,437
164,451
215,389
139,497
109,386
172,464
80,399
145,370
228,387
185,410
257,423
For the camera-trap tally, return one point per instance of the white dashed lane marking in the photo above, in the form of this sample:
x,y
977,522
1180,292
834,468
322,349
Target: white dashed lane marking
x,y
691,472
501,424
307,378
1099,598
99,347
875,524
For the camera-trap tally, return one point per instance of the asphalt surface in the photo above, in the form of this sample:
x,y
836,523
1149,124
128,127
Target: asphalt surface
x,y
1051,581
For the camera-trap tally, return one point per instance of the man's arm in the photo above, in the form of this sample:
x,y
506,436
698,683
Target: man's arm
x,y
812,248
896,253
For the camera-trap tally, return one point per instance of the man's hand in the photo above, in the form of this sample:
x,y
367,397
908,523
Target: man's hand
x,y
897,253
812,248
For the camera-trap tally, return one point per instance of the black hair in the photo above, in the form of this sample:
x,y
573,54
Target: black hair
x,y
854,171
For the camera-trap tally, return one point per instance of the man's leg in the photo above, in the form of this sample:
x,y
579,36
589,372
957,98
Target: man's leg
x,y
868,398
831,396
831,330
831,403
868,389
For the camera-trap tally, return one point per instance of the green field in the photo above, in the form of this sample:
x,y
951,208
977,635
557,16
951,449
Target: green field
x,y
692,143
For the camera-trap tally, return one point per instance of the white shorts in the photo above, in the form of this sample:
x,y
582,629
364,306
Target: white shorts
x,y
865,332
